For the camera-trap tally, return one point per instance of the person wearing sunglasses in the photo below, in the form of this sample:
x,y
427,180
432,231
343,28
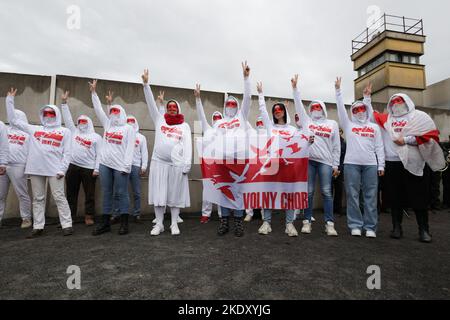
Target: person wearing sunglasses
x,y
323,158
48,159
116,160
411,141
171,161
18,141
229,131
364,162
84,164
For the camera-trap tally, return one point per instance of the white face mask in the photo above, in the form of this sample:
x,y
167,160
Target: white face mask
x,y
115,119
399,110
83,127
49,121
230,112
361,117
317,115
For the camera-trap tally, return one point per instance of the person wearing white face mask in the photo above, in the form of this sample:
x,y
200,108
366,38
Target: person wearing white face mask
x,y
364,162
323,157
84,164
47,162
116,159
411,141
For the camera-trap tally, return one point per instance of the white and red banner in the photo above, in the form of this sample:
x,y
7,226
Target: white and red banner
x,y
272,175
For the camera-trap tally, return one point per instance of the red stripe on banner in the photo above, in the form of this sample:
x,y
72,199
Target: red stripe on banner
x,y
432,135
273,170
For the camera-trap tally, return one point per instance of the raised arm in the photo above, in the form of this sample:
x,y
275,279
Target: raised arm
x,y
67,116
299,107
342,113
263,109
200,110
247,99
151,104
368,102
101,115
160,103
11,113
187,150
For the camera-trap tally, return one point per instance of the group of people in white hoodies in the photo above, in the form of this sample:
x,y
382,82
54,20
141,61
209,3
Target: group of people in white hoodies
x,y
401,144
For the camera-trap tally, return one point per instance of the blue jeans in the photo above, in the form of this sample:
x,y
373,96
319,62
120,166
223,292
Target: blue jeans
x,y
325,174
135,181
361,180
115,190
226,212
290,216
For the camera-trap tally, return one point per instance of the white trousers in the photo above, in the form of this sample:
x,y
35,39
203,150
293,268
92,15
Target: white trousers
x,y
207,209
38,187
16,176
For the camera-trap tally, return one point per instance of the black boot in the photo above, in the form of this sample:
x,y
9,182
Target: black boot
x,y
238,227
425,236
224,226
397,218
424,229
104,227
123,230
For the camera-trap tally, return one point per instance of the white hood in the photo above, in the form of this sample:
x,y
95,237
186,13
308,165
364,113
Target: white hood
x,y
135,125
178,105
409,103
216,113
21,116
122,119
90,125
57,122
324,108
354,120
228,98
288,118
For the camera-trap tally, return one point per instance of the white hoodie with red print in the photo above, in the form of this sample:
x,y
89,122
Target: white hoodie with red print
x,y
140,157
19,142
50,144
119,138
86,144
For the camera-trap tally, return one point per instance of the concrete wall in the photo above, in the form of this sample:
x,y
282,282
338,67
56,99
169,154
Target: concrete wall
x,y
35,91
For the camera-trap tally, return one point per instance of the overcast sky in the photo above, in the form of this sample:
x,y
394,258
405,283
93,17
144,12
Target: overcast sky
x,y
187,41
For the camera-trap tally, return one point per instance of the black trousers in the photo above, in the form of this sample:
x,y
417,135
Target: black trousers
x,y
405,190
338,186
75,177
446,186
435,190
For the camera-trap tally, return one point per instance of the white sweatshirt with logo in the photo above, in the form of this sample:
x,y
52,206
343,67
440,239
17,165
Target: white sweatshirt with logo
x,y
86,144
173,143
364,140
4,145
326,148
19,142
140,157
119,138
50,144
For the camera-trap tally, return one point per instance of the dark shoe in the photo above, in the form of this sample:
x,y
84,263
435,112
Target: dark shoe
x,y
115,220
224,226
238,227
36,233
425,237
67,232
89,220
104,227
123,230
137,219
397,233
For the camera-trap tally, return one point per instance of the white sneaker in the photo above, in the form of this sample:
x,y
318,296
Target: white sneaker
x,y
248,218
26,223
356,233
157,230
306,227
179,220
371,234
313,219
291,231
175,230
330,230
265,229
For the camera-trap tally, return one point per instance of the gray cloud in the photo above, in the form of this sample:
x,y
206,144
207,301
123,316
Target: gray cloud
x,y
184,42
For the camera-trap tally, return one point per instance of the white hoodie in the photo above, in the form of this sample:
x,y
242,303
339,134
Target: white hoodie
x,y
173,144
140,157
364,140
273,129
118,140
49,151
19,142
326,148
4,145
86,144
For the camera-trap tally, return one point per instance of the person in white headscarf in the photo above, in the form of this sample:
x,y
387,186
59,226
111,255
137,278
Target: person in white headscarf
x,y
18,142
171,161
323,158
364,162
116,160
411,141
84,164
47,162
231,129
